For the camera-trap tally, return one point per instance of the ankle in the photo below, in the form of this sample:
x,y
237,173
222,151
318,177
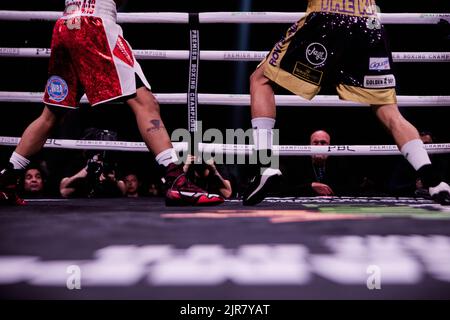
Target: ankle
x,y
171,172
264,158
428,176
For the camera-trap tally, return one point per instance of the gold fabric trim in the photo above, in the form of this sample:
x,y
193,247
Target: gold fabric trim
x,y
369,96
290,82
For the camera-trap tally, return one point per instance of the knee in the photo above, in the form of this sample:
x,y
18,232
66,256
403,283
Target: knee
x,y
152,104
144,101
390,116
254,77
50,117
396,122
258,78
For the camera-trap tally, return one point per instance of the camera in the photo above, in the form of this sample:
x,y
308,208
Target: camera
x,y
94,168
100,169
99,186
97,166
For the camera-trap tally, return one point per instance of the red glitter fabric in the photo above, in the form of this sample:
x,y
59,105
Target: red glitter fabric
x,y
82,62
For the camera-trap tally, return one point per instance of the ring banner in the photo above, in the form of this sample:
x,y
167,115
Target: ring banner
x,y
194,61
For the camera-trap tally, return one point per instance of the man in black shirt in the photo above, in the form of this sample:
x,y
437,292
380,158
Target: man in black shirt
x,y
319,175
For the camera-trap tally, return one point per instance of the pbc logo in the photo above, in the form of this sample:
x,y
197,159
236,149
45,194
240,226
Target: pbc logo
x,y
316,54
379,64
340,148
57,89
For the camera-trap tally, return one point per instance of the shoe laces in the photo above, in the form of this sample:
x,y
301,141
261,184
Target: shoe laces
x,y
442,187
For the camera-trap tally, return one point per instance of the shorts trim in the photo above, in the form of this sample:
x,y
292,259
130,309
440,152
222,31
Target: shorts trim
x,y
290,82
113,98
369,96
58,105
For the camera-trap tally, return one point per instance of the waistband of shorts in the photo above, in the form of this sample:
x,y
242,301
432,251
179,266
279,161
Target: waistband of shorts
x,y
103,17
356,8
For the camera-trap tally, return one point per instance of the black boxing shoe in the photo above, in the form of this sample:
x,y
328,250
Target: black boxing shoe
x,y
441,193
260,185
8,187
182,192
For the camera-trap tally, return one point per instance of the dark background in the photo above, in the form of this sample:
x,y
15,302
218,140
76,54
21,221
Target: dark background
x,y
346,125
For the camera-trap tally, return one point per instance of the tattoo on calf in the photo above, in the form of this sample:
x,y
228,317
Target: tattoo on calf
x,y
156,126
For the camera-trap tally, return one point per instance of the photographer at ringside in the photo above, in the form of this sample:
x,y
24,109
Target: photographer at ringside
x,y
96,180
208,176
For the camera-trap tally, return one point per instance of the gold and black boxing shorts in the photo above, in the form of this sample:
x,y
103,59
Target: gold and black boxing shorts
x,y
347,51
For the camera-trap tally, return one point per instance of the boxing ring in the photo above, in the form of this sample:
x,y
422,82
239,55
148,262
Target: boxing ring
x,y
285,248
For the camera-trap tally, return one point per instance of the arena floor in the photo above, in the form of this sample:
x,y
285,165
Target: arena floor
x,y
282,249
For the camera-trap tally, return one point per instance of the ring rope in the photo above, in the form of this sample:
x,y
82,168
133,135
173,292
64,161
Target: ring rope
x,y
131,17
244,100
290,17
216,55
239,149
222,17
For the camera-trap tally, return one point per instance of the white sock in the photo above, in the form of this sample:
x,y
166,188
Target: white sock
x,y
18,161
167,157
263,133
416,154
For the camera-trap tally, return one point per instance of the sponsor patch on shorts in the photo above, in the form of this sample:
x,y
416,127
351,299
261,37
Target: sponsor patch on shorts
x,y
316,54
57,88
379,64
379,82
308,74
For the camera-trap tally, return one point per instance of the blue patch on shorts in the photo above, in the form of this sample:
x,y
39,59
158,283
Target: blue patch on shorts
x,y
57,88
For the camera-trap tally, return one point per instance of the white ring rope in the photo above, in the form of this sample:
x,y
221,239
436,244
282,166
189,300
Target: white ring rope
x,y
239,149
290,17
214,55
135,17
244,100
222,17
